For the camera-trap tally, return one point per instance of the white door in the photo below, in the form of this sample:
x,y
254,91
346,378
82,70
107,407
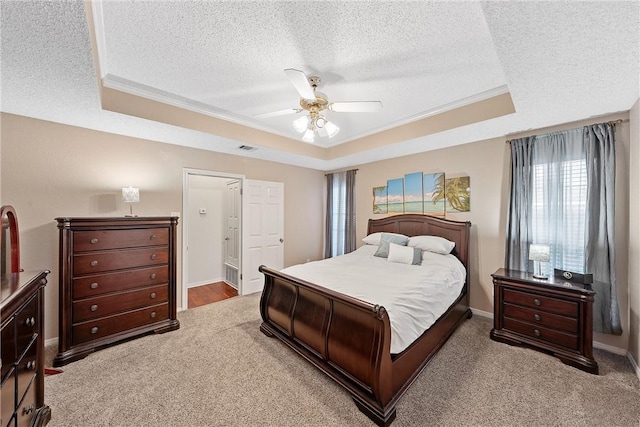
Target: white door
x,y
232,233
263,231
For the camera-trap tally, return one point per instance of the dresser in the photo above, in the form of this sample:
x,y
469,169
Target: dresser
x,y
553,316
22,350
117,281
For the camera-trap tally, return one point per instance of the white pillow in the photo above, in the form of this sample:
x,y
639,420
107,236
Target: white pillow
x,y
404,254
435,244
374,238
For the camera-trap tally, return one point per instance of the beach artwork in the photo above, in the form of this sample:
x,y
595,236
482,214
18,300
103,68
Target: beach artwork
x,y
380,200
433,196
413,193
457,192
395,196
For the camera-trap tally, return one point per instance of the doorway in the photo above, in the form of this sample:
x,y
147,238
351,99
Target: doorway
x,y
211,250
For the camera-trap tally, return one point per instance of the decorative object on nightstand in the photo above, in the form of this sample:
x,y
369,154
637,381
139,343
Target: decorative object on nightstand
x,y
554,316
539,254
131,195
117,281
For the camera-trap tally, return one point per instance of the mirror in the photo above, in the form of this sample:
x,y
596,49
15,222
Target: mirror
x,y
9,241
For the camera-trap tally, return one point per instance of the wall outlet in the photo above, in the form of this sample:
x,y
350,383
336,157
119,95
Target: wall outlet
x,y
202,211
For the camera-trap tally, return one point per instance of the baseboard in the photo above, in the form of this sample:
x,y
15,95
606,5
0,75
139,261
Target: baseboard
x,y
481,313
634,365
205,282
51,341
611,349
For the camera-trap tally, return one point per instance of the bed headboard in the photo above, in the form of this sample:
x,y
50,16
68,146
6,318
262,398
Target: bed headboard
x,y
419,225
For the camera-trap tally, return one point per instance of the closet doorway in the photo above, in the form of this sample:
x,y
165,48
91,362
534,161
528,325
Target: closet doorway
x,y
211,222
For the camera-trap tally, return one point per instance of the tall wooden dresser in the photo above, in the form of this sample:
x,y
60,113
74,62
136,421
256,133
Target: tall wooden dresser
x,y
117,281
22,344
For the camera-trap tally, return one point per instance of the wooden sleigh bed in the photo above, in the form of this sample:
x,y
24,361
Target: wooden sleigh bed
x,y
349,339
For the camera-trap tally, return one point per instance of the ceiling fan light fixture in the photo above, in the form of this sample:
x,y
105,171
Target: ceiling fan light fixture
x,y
332,129
301,123
320,122
309,136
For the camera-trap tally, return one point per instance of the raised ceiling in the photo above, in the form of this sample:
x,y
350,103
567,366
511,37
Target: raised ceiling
x,y
196,72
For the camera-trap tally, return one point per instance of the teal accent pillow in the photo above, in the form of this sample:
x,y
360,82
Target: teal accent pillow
x,y
385,239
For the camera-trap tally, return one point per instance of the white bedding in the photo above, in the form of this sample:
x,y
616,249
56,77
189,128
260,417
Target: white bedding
x,y
415,296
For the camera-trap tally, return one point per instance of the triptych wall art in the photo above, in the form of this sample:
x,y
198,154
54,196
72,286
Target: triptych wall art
x,y
420,193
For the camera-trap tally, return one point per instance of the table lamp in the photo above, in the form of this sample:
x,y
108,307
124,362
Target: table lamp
x,y
130,195
539,254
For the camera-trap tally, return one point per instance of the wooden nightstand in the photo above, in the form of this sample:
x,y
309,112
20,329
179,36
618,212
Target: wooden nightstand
x,y
553,315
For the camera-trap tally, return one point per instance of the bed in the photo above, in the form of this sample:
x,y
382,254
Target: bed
x,y
350,339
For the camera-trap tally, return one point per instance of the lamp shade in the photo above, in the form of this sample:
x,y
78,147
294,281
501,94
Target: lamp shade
x,y
130,194
540,253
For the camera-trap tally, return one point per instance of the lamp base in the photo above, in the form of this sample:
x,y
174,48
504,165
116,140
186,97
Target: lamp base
x,y
540,277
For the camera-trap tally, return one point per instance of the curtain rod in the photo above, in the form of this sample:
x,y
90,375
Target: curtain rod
x,y
341,171
611,122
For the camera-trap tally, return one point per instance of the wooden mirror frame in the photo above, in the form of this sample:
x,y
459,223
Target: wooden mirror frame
x,y
9,213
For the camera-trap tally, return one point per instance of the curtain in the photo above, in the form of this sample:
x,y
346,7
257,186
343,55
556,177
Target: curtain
x,y
340,221
562,195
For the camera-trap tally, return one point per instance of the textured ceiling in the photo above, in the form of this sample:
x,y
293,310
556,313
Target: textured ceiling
x,y
560,61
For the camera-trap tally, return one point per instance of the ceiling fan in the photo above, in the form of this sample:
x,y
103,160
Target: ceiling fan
x,y
315,103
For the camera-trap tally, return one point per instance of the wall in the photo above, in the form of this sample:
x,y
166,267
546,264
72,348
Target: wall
x,y
634,236
206,233
488,165
50,170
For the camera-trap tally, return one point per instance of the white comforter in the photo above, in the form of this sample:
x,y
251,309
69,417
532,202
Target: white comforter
x,y
415,296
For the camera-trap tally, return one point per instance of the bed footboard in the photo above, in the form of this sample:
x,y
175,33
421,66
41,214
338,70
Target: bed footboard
x,y
346,338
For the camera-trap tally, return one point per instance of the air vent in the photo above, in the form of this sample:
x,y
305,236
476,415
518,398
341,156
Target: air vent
x,y
247,148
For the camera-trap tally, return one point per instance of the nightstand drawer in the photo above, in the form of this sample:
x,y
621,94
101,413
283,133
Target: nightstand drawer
x,y
567,341
548,304
96,240
538,317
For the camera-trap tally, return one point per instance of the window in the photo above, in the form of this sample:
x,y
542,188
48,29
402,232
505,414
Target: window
x,y
339,214
340,228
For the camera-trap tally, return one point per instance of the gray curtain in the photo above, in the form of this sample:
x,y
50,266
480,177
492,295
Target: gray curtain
x,y
328,223
600,227
547,214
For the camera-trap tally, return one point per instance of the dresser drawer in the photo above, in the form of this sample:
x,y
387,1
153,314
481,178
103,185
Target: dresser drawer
x,y
558,338
92,308
119,260
92,330
26,369
538,317
548,304
84,241
101,284
27,409
8,395
26,327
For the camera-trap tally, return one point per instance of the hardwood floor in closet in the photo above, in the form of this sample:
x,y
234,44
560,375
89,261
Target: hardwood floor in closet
x,y
207,294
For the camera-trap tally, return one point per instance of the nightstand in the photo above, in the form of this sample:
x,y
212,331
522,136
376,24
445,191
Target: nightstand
x,y
553,316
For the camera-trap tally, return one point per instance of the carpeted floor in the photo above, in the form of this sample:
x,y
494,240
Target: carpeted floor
x,y
218,369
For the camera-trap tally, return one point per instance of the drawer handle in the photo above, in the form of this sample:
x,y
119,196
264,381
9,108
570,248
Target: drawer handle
x,y
153,295
153,256
153,314
30,321
94,330
94,285
94,240
94,307
537,317
536,332
94,263
153,275
31,365
27,410
152,237
536,301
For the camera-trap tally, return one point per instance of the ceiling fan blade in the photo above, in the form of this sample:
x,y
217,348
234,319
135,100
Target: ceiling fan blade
x,y
356,106
299,81
277,113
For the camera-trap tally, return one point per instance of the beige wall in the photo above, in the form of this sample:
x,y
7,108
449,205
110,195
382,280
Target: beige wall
x,y
634,235
50,170
487,163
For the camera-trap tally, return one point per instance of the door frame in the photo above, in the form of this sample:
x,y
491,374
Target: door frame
x,y
185,225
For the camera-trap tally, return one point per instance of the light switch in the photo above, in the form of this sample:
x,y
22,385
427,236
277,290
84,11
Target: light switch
x,y
203,211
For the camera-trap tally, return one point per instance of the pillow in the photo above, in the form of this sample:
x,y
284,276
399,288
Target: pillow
x,y
386,239
374,238
404,254
435,244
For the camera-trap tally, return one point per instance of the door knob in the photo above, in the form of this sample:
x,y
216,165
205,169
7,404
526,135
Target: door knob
x,y
281,240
